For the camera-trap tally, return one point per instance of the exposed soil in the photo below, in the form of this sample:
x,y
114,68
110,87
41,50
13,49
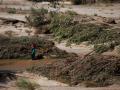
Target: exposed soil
x,y
16,65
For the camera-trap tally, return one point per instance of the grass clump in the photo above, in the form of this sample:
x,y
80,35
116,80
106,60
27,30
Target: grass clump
x,y
72,13
100,48
25,84
12,10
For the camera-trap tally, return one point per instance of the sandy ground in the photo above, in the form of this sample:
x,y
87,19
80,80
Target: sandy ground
x,y
17,29
112,10
109,10
78,49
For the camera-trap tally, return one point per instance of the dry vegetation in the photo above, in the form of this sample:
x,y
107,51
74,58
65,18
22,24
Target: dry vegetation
x,y
92,71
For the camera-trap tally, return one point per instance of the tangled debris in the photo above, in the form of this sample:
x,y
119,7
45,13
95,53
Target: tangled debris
x,y
6,76
91,71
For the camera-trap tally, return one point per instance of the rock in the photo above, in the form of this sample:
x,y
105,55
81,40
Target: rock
x,y
111,21
19,24
117,49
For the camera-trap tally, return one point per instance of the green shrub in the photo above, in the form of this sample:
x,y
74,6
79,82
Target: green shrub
x,y
72,13
40,12
12,10
100,48
39,19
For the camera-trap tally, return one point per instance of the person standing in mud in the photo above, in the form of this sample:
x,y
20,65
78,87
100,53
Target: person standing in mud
x,y
33,51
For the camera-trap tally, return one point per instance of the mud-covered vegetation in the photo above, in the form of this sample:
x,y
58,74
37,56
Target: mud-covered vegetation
x,y
20,48
91,71
74,28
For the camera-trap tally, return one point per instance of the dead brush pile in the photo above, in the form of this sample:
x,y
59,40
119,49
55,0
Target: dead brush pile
x,y
93,71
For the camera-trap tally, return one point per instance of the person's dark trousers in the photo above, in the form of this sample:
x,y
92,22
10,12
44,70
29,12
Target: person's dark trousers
x,y
33,56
